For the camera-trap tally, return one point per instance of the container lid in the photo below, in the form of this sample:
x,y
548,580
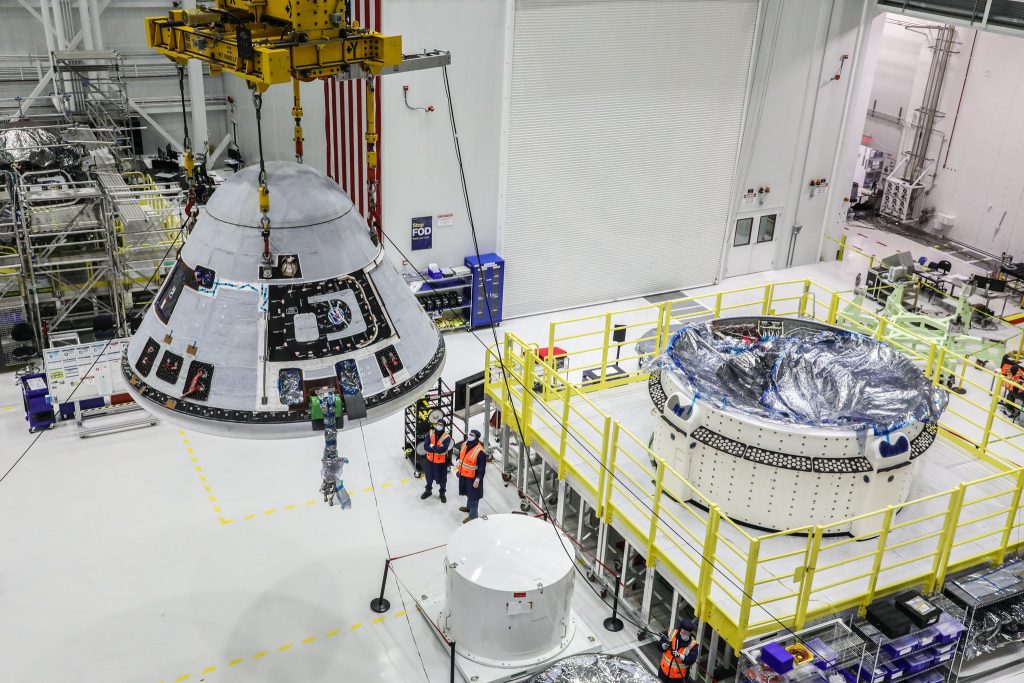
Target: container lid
x,y
510,552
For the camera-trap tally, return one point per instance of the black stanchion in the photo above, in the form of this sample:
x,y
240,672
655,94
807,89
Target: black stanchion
x,y
452,675
612,623
380,604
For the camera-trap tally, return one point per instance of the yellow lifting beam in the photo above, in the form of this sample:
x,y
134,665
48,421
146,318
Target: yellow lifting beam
x,y
274,41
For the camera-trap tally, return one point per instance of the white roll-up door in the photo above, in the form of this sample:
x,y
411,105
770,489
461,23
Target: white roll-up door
x,y
625,119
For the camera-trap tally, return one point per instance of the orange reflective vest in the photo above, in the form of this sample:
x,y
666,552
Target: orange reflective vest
x,y
467,460
672,659
435,440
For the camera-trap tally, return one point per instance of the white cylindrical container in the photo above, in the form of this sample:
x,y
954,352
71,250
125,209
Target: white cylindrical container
x,y
508,585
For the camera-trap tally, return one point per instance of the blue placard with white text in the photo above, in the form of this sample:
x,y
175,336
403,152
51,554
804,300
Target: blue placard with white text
x,y
422,232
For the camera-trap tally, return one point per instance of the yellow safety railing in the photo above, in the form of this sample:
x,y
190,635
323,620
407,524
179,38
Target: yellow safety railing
x,y
749,584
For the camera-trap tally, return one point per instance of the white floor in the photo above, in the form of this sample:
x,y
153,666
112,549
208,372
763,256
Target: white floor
x,y
116,563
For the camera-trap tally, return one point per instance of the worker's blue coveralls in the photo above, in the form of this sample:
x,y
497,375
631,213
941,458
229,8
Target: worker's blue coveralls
x,y
437,444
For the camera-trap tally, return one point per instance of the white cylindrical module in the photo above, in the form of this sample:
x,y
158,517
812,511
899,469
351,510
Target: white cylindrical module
x,y
508,585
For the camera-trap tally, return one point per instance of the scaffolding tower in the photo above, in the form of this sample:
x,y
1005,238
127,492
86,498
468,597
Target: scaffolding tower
x,y
80,250
90,88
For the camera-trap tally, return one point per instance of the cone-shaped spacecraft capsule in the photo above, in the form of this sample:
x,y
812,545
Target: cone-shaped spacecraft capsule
x,y
235,346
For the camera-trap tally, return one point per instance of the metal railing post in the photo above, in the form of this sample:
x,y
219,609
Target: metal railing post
x,y
1011,517
564,438
807,582
993,407
707,565
659,479
876,565
945,550
748,588
526,412
604,347
611,449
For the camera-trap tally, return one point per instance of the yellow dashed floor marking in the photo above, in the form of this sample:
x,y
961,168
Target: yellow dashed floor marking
x,y
288,646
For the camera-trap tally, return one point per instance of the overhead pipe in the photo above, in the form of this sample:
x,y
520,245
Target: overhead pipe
x,y
928,111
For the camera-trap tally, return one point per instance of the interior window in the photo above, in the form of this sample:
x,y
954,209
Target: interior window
x,y
766,228
743,228
180,277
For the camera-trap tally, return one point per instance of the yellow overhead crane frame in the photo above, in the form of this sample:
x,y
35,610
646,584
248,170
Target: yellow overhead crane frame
x,y
267,42
274,41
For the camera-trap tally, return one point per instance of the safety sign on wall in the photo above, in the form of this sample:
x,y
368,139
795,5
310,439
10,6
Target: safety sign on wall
x,y
444,220
422,232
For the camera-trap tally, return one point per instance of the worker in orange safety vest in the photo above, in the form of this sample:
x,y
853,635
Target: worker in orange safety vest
x,y
436,445
472,465
679,652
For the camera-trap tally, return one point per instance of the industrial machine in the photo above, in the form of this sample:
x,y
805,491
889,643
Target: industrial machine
x,y
915,330
785,422
507,601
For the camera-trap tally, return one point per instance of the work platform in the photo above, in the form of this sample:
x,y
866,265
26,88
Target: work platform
x,y
585,427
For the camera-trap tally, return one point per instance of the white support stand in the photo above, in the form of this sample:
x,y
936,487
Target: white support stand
x,y
645,604
560,513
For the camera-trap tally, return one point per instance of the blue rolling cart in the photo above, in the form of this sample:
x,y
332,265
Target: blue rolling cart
x,y
35,394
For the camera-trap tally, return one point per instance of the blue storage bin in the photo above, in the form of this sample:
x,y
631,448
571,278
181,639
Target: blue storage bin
x,y
949,629
917,661
927,636
945,656
944,648
869,673
777,657
900,647
897,670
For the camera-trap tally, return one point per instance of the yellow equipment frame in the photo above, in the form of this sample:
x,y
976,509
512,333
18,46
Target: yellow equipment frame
x,y
273,41
737,583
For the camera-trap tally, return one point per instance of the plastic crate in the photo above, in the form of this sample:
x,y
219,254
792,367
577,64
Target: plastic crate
x,y
901,647
917,662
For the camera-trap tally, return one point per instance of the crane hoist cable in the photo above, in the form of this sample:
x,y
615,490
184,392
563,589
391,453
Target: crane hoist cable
x,y
372,137
264,191
188,160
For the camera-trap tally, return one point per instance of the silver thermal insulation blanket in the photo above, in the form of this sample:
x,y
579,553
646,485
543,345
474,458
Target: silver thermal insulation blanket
x,y
35,148
825,379
595,668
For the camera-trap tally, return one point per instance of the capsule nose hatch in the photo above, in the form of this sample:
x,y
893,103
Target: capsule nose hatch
x,y
235,346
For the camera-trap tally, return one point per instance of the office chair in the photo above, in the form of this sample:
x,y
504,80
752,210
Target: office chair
x,y
25,350
103,327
